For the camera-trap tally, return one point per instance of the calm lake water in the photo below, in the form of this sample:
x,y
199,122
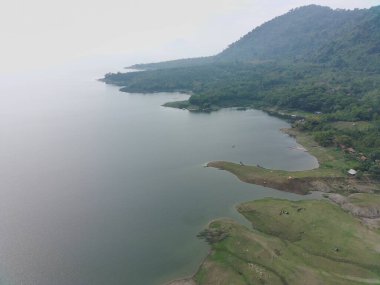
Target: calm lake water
x,y
102,187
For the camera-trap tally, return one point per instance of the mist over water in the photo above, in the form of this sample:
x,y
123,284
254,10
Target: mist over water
x,y
103,187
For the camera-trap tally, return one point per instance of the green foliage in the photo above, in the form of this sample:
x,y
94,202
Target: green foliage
x,y
343,140
324,138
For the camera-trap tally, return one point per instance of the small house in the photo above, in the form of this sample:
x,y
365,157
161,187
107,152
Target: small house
x,y
352,172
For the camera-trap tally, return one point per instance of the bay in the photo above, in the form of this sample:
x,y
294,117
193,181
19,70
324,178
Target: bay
x,y
103,187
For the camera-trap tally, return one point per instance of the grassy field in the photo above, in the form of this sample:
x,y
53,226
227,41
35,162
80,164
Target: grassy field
x,y
305,242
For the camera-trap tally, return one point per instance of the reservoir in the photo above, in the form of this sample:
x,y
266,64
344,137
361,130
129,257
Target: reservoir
x,y
103,187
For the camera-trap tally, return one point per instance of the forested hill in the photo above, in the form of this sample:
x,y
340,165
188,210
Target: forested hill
x,y
300,34
312,59
311,33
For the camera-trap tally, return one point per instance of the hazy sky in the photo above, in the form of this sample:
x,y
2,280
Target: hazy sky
x,y
36,33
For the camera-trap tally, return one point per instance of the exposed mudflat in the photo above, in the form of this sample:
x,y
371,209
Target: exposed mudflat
x,y
359,204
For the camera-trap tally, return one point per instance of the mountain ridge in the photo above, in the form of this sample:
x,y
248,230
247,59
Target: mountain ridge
x,y
305,33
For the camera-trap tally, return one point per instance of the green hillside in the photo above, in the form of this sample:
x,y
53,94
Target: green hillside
x,y
299,34
310,33
311,60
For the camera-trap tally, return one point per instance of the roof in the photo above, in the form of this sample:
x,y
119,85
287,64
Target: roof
x,y
352,171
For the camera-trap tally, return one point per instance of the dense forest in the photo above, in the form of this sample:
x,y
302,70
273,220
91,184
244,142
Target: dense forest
x,y
323,62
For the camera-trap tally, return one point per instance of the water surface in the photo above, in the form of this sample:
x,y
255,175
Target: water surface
x,y
103,187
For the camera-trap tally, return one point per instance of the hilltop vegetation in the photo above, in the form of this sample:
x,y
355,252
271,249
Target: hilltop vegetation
x,y
310,34
312,59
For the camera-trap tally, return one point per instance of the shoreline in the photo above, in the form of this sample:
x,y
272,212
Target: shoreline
x,y
322,178
283,233
287,181
329,176
262,182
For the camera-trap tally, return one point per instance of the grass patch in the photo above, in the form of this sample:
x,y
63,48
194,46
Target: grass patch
x,y
305,242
